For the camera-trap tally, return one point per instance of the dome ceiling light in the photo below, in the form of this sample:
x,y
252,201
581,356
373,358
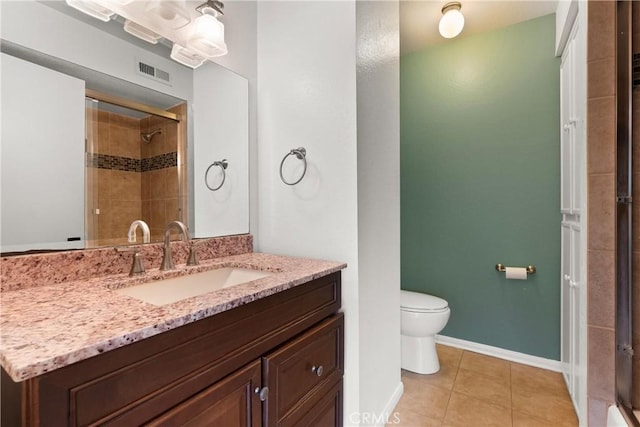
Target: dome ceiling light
x,y
452,20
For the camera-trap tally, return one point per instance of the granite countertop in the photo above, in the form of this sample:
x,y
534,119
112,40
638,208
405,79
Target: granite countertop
x,y
48,327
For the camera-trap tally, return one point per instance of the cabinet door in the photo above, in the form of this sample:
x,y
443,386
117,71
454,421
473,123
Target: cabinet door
x,y
575,283
566,158
565,314
301,373
571,309
230,402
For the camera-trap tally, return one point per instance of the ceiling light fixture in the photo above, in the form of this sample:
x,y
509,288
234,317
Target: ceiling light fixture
x,y
196,33
452,20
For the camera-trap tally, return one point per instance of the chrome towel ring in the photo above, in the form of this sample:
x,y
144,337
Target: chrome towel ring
x,y
223,165
301,154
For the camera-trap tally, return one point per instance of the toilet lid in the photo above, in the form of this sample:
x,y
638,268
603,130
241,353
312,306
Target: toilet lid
x,y
421,302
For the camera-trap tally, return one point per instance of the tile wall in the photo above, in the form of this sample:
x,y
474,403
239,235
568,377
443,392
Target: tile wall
x,y
160,193
601,151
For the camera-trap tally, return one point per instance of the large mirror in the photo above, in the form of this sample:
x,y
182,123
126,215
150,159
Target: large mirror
x,y
89,147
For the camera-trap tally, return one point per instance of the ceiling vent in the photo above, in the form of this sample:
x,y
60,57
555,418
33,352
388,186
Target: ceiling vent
x,y
153,72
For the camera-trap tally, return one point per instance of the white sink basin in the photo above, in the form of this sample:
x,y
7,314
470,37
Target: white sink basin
x,y
178,288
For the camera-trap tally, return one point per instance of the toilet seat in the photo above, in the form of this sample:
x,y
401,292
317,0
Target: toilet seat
x,y
417,302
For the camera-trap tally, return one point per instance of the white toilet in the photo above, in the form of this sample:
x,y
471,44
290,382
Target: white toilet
x,y
422,316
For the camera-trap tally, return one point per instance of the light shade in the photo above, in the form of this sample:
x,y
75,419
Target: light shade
x,y
207,39
171,14
91,8
141,32
186,57
452,20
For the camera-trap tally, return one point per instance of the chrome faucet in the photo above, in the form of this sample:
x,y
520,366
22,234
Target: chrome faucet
x,y
131,236
167,260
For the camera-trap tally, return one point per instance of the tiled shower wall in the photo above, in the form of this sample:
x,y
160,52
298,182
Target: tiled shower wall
x,y
128,179
601,150
114,185
159,186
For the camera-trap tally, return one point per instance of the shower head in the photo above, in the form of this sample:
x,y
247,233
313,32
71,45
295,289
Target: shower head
x,y
147,137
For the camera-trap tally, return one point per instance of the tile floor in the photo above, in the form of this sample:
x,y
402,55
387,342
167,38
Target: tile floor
x,y
474,390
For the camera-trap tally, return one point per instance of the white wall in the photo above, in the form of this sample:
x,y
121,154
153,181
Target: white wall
x,y
307,97
328,80
220,114
241,26
379,208
42,162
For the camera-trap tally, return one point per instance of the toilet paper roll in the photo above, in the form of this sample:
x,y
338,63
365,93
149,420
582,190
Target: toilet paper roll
x,y
518,273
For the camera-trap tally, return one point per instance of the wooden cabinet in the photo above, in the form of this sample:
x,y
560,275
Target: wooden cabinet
x,y
231,401
209,372
302,372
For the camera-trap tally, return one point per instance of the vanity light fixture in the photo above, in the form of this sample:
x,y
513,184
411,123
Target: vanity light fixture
x,y
141,32
196,33
452,20
92,9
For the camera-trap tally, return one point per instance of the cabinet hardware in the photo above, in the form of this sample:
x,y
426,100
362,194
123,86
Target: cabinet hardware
x,y
627,350
626,200
262,393
318,370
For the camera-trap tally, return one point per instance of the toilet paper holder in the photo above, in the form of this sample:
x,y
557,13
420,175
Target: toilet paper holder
x,y
530,268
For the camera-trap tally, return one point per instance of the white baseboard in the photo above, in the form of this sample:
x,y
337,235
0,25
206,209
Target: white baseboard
x,y
501,353
393,401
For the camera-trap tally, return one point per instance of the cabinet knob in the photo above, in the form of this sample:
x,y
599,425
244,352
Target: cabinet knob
x,y
318,370
573,284
567,277
262,393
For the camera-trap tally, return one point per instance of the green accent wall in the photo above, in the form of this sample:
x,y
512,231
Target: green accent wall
x,y
480,183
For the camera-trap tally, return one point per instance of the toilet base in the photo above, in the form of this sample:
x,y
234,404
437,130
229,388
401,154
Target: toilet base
x,y
419,354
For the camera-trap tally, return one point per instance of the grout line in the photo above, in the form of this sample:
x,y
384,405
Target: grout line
x,y
513,421
451,390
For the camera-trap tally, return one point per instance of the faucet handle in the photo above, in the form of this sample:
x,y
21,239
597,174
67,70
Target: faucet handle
x,y
193,254
137,267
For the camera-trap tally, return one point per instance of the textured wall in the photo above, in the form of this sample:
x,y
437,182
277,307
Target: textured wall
x,y
480,183
378,86
307,97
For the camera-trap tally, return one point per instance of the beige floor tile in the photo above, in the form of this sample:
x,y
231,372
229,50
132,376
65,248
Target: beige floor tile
x,y
541,380
466,411
543,404
405,416
473,390
425,400
485,365
526,420
449,361
496,390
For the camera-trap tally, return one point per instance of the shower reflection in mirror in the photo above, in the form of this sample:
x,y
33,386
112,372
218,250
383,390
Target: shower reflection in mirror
x,y
132,170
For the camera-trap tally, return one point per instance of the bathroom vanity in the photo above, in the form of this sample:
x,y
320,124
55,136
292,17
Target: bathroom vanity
x,y
270,353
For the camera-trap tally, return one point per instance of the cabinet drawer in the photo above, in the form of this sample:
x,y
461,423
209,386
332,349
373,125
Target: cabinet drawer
x,y
304,369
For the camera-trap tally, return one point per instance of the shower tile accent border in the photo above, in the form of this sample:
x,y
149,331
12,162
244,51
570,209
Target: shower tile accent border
x,y
126,164
30,271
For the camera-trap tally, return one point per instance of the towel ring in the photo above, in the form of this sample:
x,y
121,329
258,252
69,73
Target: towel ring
x,y
223,165
301,154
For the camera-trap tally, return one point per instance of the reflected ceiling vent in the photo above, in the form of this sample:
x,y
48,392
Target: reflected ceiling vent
x,y
153,72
